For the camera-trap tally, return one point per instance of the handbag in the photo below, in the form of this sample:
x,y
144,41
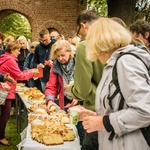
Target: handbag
x,y
4,90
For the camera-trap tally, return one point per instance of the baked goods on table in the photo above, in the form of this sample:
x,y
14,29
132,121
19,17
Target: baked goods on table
x,y
50,128
51,132
36,97
43,115
20,87
20,84
33,94
34,106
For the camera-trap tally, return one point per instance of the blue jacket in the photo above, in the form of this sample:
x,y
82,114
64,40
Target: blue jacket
x,y
41,54
28,63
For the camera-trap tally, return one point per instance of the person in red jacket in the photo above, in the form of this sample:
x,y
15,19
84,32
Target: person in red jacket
x,y
8,64
61,74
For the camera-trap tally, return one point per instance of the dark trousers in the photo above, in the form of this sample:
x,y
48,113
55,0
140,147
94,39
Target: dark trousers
x,y
38,84
81,133
4,116
90,141
31,83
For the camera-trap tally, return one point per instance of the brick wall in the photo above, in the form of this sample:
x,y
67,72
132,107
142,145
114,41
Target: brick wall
x,y
59,14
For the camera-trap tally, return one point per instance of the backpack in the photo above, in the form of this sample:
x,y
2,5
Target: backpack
x,y
145,131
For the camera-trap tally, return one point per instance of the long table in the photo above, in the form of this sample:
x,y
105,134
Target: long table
x,y
21,111
27,143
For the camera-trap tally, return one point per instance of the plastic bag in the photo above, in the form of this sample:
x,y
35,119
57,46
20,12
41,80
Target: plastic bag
x,y
3,95
4,92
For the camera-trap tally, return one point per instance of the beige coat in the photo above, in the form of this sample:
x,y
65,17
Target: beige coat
x,y
134,82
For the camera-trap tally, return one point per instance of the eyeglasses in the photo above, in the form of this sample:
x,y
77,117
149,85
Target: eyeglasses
x,y
46,40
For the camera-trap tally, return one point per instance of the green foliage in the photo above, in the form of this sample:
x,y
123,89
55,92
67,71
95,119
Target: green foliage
x,y
99,6
15,25
142,8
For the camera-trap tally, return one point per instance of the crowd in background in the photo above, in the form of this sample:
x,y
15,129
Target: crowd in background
x,y
79,70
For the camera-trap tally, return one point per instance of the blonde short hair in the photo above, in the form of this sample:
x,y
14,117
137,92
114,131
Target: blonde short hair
x,y
9,39
12,46
106,35
59,45
21,38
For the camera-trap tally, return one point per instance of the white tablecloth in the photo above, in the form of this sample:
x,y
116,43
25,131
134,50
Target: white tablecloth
x,y
29,144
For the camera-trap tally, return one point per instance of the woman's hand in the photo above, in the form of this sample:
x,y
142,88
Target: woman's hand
x,y
73,103
49,105
9,79
5,86
40,66
93,123
48,62
84,113
34,71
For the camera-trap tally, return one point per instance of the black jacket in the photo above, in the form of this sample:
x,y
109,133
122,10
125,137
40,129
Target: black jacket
x,y
41,54
21,58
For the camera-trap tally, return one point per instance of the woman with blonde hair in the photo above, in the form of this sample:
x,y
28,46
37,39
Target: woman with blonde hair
x,y
8,40
118,129
61,74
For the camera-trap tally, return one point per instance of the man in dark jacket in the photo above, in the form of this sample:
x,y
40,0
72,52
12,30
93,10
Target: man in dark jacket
x,y
41,55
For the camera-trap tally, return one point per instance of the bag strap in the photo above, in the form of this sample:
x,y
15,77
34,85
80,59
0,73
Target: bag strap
x,y
116,83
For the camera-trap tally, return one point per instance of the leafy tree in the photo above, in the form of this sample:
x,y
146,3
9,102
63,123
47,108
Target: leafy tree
x,y
15,25
124,9
99,6
142,9
127,10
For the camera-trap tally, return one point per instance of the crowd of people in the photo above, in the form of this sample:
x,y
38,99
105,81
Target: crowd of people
x,y
79,73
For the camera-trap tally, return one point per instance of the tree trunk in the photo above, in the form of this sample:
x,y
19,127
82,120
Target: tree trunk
x,y
124,9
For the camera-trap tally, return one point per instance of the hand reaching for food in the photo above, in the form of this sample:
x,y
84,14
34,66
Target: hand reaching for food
x,y
48,62
73,103
34,71
40,66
